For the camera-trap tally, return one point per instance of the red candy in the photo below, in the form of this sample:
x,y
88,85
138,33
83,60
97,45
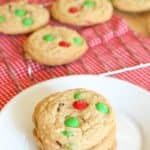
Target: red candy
x,y
80,105
64,44
73,10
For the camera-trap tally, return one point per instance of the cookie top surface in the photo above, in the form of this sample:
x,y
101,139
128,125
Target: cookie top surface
x,y
148,23
76,119
21,17
55,45
82,12
132,5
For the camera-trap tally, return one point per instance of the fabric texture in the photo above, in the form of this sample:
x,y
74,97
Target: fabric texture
x,y
112,46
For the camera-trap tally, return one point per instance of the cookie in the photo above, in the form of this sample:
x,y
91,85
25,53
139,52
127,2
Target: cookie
x,y
21,17
108,143
77,119
148,23
136,21
55,45
82,12
132,5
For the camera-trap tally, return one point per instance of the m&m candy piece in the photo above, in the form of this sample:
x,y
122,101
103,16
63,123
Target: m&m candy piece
x,y
73,10
78,41
20,12
2,19
89,3
103,108
77,96
64,44
72,122
67,133
80,105
48,37
27,21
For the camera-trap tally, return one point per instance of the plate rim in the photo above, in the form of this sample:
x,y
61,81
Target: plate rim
x,y
13,99
55,81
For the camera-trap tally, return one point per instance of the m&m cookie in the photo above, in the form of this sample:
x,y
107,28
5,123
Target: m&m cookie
x,y
132,5
21,17
76,119
82,12
53,45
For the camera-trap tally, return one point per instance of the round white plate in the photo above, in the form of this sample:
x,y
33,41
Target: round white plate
x,y
131,104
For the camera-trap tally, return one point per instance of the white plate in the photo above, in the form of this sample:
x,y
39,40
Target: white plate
x,y
131,104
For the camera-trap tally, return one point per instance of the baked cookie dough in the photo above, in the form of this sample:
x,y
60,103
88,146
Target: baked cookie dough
x,y
55,45
77,119
109,140
132,5
21,17
148,24
82,12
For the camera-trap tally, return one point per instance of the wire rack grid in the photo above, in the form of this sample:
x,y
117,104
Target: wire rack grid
x,y
100,43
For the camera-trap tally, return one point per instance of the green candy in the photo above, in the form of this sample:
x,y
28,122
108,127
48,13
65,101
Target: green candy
x,y
2,19
48,37
20,12
67,133
102,108
89,3
78,41
77,96
27,21
72,122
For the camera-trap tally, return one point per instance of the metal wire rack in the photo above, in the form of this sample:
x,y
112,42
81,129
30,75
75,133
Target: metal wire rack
x,y
107,71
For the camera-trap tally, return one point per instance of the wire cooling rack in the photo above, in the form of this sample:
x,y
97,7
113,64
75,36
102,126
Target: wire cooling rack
x,y
101,39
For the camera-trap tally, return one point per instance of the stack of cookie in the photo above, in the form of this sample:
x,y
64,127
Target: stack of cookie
x,y
53,45
77,119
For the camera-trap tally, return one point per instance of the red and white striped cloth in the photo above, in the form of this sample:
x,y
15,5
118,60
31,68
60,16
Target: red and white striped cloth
x,y
112,46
